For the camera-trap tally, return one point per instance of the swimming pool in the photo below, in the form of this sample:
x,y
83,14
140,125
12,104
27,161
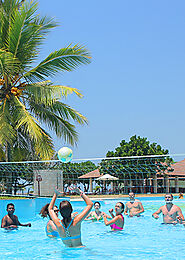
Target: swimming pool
x,y
142,238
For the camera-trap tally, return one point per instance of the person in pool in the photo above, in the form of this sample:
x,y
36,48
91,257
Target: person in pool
x,y
69,228
181,195
10,221
51,229
134,206
172,214
96,214
117,221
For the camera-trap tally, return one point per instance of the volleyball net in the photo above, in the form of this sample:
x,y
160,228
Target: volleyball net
x,y
111,175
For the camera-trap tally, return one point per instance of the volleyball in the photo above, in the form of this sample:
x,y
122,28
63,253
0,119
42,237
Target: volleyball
x,y
65,154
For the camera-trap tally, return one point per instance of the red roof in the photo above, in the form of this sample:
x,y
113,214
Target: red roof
x,y
93,174
179,169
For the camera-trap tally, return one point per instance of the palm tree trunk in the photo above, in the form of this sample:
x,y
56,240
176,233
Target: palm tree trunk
x,y
9,177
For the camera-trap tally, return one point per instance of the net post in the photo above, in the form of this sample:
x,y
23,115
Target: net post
x,y
155,183
61,181
177,184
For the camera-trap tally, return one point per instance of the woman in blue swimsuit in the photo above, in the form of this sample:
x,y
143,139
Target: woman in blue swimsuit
x,y
51,229
69,228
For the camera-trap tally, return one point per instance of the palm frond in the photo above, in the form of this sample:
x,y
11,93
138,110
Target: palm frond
x,y
2,153
69,113
65,59
23,98
8,64
22,30
55,123
44,149
7,10
43,142
7,132
46,93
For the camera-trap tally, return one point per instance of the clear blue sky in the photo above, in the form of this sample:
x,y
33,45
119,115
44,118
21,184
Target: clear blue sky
x,y
136,81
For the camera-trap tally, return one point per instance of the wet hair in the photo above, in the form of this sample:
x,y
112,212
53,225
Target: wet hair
x,y
10,204
122,205
65,211
45,212
97,202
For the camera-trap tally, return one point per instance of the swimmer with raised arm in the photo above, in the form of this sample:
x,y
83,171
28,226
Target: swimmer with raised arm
x,y
51,229
96,215
11,221
69,229
172,214
134,206
117,221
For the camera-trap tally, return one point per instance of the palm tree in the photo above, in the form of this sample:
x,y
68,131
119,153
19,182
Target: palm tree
x,y
28,97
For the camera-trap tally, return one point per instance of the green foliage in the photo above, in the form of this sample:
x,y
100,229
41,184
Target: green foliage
x,y
71,171
136,167
28,97
137,146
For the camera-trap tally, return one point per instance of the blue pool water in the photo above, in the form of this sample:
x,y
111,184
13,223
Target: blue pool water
x,y
142,238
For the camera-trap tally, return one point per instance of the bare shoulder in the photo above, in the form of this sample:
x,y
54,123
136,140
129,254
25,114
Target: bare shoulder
x,y
177,207
4,218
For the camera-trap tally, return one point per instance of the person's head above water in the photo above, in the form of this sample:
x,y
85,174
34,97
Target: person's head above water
x,y
168,198
45,212
66,209
119,207
97,205
131,196
10,208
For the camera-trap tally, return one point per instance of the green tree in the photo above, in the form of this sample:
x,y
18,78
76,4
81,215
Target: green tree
x,y
135,169
137,146
28,97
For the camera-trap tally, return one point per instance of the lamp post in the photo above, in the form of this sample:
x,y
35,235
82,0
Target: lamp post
x,y
38,179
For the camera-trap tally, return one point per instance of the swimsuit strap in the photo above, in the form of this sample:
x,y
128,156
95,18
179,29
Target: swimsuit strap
x,y
67,233
67,238
66,228
52,233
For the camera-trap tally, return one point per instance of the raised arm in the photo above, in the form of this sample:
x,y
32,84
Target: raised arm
x,y
156,214
112,221
107,216
111,213
52,214
79,218
126,210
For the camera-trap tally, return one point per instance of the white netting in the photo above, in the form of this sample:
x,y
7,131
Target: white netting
x,y
141,174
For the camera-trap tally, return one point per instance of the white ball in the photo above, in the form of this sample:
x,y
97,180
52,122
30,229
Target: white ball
x,y
65,154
